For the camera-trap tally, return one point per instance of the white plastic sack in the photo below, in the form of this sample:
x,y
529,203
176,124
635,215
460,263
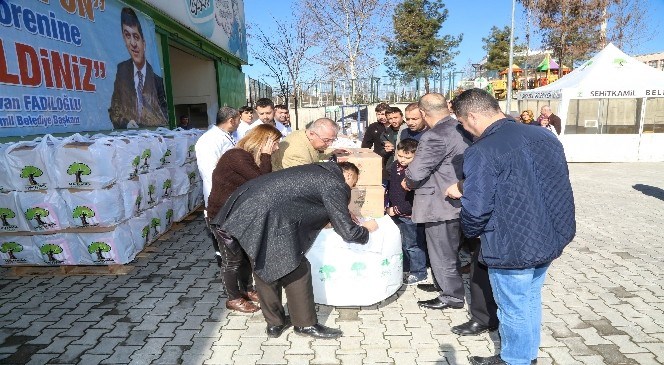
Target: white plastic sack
x,y
180,207
83,163
108,248
177,147
350,274
140,230
149,190
165,212
164,183
157,222
195,197
29,164
5,182
19,250
127,155
45,210
101,207
153,151
132,197
59,248
183,178
11,214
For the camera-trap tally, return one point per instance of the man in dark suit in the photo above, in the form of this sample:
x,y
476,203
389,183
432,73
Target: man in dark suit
x,y
554,120
138,93
437,165
276,226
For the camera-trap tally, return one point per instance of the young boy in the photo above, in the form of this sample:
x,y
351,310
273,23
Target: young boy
x,y
400,206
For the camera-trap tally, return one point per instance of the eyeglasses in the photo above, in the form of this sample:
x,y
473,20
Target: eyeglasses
x,y
325,140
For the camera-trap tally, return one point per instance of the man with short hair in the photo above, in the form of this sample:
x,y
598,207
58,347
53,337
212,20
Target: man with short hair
x,y
209,148
276,218
554,120
416,126
306,146
389,137
518,199
265,111
437,165
281,115
375,130
246,120
184,122
138,99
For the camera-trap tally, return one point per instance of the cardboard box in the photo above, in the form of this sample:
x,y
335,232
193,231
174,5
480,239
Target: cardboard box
x,y
369,163
367,201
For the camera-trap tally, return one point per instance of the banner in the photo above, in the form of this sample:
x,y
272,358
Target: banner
x,y
73,66
220,21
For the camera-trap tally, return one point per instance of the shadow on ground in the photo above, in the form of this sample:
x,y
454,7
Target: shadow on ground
x,y
649,190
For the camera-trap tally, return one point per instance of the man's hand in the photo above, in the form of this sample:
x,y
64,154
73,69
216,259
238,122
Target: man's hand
x,y
390,211
404,186
389,147
371,225
454,191
354,218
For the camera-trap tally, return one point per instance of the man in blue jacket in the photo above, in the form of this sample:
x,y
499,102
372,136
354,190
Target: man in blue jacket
x,y
518,199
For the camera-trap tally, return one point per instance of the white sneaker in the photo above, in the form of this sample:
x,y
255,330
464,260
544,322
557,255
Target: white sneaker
x,y
412,280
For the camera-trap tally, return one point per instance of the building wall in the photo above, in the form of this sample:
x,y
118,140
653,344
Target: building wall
x,y
655,60
194,81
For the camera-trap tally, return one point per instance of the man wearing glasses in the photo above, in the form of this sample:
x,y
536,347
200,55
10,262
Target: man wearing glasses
x,y
306,146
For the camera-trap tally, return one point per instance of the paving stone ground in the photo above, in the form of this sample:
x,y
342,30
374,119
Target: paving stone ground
x,y
603,302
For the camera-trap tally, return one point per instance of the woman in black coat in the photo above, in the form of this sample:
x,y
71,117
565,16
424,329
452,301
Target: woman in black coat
x,y
276,218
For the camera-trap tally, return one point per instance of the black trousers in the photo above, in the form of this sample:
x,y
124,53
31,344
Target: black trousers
x,y
235,270
483,308
299,295
215,246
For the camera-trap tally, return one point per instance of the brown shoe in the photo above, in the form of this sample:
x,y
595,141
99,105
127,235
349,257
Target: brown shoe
x,y
251,295
242,305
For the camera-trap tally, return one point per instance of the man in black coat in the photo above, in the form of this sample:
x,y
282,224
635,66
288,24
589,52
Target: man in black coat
x,y
276,218
138,93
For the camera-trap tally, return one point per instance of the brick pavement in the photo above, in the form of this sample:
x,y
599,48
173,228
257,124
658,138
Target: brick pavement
x,y
603,302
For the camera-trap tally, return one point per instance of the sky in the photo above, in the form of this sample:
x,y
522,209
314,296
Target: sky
x,y
473,18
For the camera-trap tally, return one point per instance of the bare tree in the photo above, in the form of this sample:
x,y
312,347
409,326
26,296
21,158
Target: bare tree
x,y
345,32
570,27
285,53
628,23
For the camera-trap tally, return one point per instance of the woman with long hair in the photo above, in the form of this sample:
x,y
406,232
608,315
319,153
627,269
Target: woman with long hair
x,y
527,117
250,158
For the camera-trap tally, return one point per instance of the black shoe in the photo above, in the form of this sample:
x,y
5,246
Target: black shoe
x,y
491,360
428,287
318,331
276,331
472,328
435,303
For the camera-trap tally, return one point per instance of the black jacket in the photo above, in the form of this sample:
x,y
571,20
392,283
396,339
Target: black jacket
x,y
276,217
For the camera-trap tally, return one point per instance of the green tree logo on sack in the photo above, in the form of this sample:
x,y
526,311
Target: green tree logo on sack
x,y
9,248
78,169
37,213
145,233
326,272
164,159
5,214
192,177
51,250
156,222
169,216
358,267
30,172
137,203
167,185
135,162
83,213
99,248
191,150
145,156
151,189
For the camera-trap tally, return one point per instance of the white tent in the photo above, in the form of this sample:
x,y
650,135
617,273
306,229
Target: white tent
x,y
611,108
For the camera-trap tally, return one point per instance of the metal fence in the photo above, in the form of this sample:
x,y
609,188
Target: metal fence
x,y
255,90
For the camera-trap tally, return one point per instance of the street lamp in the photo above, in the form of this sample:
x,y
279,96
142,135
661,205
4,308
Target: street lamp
x,y
508,103
478,69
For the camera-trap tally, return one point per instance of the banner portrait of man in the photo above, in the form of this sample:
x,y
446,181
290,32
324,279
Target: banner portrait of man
x,y
138,99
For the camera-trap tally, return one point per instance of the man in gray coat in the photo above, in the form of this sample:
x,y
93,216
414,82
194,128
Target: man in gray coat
x,y
276,226
438,164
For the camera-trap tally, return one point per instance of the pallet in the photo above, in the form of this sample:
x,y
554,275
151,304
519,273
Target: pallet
x,y
70,270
